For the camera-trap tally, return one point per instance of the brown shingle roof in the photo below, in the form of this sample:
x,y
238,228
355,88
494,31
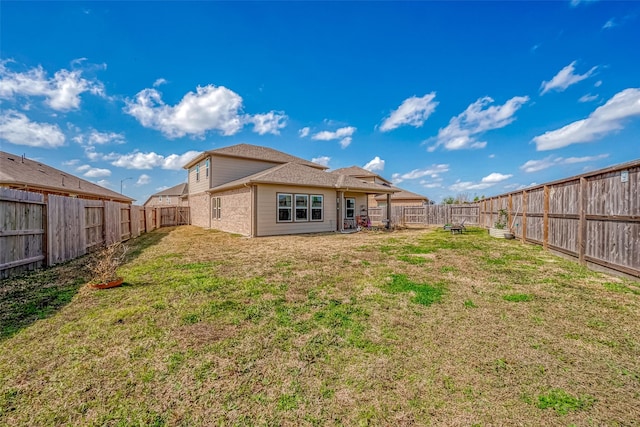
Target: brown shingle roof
x,y
20,172
176,190
256,152
358,172
403,195
300,175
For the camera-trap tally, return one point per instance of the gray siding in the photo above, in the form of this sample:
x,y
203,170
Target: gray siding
x,y
198,186
227,169
268,214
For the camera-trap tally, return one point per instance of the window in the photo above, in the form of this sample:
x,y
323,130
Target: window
x,y
350,211
302,207
159,199
316,207
284,207
197,173
206,168
216,208
167,199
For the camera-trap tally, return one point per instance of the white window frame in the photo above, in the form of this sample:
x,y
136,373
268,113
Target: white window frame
x,y
347,208
216,208
198,173
206,168
280,208
312,208
304,197
167,199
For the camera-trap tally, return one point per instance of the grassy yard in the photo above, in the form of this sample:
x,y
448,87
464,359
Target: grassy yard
x,y
414,327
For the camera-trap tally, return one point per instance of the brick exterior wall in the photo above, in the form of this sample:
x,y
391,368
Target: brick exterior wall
x,y
200,208
235,211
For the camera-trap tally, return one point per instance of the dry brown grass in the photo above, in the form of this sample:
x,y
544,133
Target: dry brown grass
x,y
304,330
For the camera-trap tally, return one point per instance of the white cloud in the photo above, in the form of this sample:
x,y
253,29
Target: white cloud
x,y
609,24
478,118
565,78
605,119
304,132
97,173
461,186
413,111
588,98
270,122
434,171
143,179
138,160
486,182
322,160
209,108
549,161
62,92
104,183
343,134
16,128
427,184
95,137
598,83
161,188
159,82
495,177
71,162
375,165
538,165
575,3
572,160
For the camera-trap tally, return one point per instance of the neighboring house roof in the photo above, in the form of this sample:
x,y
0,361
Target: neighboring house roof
x,y
300,175
403,195
180,190
254,152
358,172
177,190
20,172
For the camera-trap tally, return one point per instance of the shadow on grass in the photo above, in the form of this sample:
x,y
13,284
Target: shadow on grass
x,y
42,293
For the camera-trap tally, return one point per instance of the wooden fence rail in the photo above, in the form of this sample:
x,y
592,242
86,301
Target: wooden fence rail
x,y
35,232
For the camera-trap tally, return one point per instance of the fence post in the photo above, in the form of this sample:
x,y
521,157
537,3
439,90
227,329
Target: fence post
x,y
525,201
509,210
582,220
545,219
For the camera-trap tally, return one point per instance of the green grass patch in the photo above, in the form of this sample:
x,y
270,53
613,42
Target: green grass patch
x,y
517,297
562,402
424,294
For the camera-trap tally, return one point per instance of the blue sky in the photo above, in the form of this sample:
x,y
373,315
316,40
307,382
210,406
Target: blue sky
x,y
443,98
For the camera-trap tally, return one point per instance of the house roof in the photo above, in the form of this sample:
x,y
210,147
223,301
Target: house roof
x,y
254,152
358,172
180,190
403,195
301,175
177,190
22,172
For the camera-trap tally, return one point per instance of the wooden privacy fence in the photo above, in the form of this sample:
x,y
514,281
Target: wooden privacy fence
x,y
593,217
35,232
427,214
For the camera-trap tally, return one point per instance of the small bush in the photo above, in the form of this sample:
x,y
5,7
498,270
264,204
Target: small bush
x,y
562,402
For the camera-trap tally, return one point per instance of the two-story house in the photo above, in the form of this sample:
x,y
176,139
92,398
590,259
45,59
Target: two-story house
x,y
258,191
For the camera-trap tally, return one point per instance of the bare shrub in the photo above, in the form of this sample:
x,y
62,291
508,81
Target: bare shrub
x,y
105,262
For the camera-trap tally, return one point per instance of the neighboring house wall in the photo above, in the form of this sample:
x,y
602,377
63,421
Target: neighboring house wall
x,y
400,202
267,211
202,184
199,209
164,201
227,169
235,211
